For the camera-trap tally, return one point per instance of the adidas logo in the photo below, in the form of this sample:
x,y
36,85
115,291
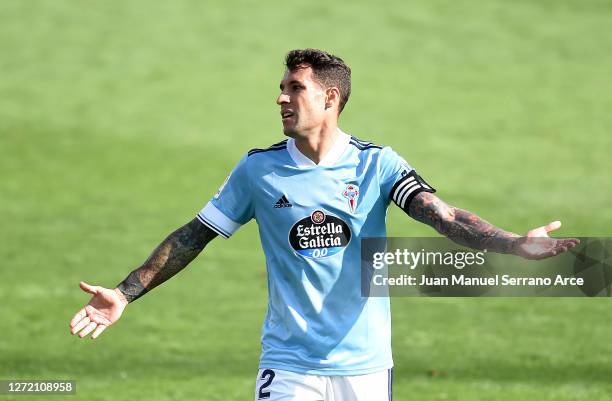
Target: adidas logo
x,y
282,202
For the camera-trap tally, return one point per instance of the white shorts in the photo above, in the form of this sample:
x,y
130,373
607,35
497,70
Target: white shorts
x,y
281,385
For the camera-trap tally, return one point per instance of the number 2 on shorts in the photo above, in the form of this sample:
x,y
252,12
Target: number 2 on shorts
x,y
268,376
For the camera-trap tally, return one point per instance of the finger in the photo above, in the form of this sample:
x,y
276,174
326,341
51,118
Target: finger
x,y
552,226
82,323
93,290
79,315
88,329
95,316
539,232
567,244
98,331
571,242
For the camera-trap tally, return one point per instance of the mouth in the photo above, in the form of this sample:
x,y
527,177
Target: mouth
x,y
286,114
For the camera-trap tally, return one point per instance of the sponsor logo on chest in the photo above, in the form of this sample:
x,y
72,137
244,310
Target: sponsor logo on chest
x,y
319,235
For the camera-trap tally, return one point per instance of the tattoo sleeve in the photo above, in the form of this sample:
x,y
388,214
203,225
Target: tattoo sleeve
x,y
169,258
461,226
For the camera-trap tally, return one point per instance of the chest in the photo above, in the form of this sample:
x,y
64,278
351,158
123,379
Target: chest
x,y
347,192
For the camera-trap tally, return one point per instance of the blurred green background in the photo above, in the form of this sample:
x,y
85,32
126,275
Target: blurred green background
x,y
120,119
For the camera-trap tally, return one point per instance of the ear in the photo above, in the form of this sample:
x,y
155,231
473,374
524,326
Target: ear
x,y
332,97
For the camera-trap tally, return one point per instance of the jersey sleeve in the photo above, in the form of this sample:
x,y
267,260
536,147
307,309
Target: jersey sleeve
x,y
232,205
399,181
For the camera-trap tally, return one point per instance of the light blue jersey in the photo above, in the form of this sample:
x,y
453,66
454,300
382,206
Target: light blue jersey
x,y
311,219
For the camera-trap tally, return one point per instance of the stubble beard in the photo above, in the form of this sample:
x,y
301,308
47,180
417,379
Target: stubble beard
x,y
292,131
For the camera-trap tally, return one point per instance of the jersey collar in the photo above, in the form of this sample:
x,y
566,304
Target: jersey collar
x,y
332,156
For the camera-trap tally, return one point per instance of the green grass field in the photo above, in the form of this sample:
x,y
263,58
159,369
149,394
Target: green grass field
x,y
119,120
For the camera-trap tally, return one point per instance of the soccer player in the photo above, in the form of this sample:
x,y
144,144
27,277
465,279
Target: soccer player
x,y
314,196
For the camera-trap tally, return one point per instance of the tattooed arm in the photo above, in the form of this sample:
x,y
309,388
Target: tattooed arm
x,y
461,226
170,257
465,228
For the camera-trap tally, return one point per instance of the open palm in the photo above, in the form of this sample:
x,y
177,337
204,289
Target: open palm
x,y
538,245
104,309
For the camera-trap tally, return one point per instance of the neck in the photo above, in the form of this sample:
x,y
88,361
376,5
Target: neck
x,y
317,143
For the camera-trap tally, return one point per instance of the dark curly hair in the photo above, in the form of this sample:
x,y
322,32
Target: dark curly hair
x,y
328,70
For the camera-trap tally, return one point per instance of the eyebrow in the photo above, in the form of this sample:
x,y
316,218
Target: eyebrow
x,y
281,86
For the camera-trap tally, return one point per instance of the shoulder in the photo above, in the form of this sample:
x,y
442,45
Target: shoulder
x,y
386,160
381,152
367,150
362,145
272,148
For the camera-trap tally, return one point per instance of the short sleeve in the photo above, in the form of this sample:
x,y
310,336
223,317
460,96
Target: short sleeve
x,y
398,180
232,205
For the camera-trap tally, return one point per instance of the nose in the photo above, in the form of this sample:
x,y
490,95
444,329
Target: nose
x,y
282,99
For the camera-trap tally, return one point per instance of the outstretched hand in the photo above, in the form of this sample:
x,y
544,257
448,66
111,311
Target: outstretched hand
x,y
538,245
104,309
